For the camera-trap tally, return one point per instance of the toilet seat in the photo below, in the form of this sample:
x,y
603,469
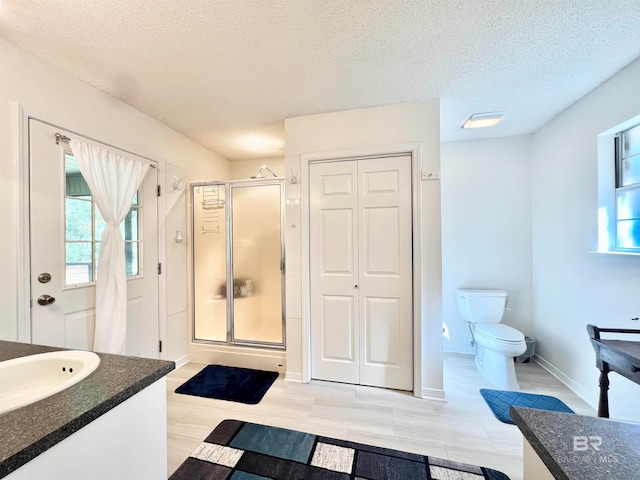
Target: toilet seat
x,y
499,332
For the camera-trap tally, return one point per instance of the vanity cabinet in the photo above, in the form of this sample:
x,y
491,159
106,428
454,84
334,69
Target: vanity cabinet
x,y
127,442
111,425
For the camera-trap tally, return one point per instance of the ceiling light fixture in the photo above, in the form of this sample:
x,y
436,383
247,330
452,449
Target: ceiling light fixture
x,y
481,120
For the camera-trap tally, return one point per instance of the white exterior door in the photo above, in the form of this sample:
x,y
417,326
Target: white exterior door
x,y
64,230
361,272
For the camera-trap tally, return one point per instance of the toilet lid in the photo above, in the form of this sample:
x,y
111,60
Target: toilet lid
x,y
499,332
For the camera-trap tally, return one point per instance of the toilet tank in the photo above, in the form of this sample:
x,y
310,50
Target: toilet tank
x,y
481,306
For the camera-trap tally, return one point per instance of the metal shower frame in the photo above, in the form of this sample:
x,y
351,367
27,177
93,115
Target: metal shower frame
x,y
228,211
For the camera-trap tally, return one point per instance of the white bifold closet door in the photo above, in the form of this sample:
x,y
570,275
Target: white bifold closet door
x,y
361,272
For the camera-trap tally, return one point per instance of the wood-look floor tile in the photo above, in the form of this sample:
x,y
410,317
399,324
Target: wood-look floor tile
x,y
462,428
314,426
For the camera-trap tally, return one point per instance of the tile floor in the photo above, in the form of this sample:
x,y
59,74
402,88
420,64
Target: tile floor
x,y
462,428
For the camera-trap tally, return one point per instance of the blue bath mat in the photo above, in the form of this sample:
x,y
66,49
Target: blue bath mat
x,y
242,385
499,402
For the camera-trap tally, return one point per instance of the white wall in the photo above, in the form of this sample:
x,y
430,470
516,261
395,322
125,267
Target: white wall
x,y
176,192
389,125
486,229
571,286
38,86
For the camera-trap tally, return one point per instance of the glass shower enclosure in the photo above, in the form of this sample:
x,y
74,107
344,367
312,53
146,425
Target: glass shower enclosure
x,y
238,263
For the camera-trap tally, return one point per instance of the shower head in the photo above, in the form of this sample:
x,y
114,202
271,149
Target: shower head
x,y
264,167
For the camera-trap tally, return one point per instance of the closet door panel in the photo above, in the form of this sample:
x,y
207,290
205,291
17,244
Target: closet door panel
x,y
336,237
382,331
385,272
337,327
381,245
334,272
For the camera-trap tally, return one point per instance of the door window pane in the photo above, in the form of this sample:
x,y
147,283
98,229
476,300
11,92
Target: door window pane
x,y
129,226
78,219
79,263
131,258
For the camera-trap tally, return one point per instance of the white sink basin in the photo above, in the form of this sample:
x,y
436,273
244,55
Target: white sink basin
x,y
26,380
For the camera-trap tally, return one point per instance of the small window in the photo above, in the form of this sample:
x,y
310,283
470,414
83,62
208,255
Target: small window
x,y
84,226
627,194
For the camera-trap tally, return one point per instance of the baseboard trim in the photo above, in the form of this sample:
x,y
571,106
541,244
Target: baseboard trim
x,y
434,394
575,387
182,361
293,377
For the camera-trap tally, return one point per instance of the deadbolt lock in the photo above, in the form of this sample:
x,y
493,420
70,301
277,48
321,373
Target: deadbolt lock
x,y
44,277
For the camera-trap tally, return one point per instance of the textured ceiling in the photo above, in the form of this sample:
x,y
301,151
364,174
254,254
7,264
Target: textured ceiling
x,y
226,73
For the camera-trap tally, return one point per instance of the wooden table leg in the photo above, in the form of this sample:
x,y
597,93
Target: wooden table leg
x,y
603,403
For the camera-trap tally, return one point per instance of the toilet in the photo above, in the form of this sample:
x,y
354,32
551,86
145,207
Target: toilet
x,y
497,343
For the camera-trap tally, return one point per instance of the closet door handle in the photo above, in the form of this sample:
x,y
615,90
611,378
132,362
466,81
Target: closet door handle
x,y
355,286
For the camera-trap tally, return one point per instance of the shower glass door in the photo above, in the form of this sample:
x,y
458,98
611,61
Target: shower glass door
x,y
256,263
238,263
209,262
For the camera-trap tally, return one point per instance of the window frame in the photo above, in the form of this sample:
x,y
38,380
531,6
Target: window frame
x,y
620,188
609,157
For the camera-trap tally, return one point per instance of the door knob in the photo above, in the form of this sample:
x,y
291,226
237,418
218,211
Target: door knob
x,y
46,300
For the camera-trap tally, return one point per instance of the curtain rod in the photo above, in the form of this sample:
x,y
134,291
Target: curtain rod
x,y
59,137
64,138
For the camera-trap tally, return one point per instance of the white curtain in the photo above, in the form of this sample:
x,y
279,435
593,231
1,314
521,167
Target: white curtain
x,y
113,180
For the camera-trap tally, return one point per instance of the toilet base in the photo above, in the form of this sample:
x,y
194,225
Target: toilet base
x,y
498,368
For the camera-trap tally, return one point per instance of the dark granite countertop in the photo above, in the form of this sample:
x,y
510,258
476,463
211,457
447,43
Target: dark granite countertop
x,y
578,447
28,431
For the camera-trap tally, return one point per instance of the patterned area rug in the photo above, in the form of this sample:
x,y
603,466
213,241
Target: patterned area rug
x,y
499,402
238,450
242,385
